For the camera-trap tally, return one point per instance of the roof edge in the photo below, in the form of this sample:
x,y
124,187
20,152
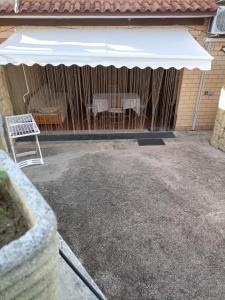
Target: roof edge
x,y
108,16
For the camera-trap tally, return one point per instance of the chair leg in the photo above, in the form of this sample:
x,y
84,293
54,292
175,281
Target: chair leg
x,y
39,149
13,150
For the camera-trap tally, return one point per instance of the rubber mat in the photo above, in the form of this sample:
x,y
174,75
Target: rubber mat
x,y
151,142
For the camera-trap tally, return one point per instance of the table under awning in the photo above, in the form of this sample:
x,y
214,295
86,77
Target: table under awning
x,y
131,47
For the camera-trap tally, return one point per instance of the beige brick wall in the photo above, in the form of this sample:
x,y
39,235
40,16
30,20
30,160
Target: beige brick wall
x,y
5,102
187,98
214,80
6,108
189,86
5,32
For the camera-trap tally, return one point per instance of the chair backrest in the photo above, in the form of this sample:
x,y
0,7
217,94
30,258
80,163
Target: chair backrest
x,y
115,104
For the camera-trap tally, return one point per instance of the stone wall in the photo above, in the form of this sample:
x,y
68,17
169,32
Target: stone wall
x,y
218,137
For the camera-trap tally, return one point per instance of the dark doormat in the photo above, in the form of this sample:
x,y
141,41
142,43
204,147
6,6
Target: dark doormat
x,y
151,142
103,136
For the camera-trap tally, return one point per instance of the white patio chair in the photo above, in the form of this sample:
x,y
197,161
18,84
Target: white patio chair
x,y
19,126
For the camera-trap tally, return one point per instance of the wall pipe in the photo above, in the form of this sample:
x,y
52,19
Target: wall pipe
x,y
200,90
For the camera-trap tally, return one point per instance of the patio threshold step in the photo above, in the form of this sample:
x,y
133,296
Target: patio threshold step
x,y
104,136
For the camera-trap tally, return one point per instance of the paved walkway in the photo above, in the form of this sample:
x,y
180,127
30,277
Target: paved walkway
x,y
147,222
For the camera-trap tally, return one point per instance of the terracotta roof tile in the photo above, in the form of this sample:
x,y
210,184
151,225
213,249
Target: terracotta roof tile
x,y
96,7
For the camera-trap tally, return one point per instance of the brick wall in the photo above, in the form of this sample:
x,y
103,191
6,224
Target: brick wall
x,y
187,98
213,82
5,102
5,32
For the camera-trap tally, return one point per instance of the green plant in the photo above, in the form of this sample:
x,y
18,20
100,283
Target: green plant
x,y
3,176
2,211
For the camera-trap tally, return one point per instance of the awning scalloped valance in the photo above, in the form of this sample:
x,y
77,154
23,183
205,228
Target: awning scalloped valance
x,y
131,47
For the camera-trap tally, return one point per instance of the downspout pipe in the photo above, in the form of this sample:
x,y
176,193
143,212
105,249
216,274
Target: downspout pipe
x,y
200,90
198,101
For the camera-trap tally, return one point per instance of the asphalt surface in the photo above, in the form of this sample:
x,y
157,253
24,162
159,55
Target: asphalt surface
x,y
147,222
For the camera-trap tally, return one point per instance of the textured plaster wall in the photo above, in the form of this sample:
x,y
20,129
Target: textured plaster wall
x,y
218,137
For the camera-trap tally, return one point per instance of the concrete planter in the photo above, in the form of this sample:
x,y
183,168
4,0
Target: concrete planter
x,y
3,142
29,265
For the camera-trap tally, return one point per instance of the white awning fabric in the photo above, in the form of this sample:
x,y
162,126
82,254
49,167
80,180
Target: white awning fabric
x,y
134,47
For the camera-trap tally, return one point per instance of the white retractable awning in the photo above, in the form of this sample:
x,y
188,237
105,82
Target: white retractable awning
x,y
135,47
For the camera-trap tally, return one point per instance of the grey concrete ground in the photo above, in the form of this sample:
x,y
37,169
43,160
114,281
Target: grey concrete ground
x,y
147,222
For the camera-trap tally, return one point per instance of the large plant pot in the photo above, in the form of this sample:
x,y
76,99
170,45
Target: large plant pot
x,y
29,264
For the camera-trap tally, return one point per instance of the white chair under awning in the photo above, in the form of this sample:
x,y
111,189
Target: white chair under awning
x,y
131,47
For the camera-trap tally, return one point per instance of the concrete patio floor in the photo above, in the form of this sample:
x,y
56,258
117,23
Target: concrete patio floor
x,y
146,222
